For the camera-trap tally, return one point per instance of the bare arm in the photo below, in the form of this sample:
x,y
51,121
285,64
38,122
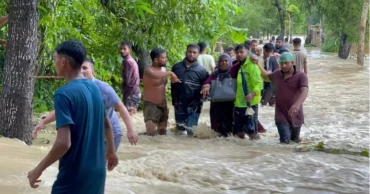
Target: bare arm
x,y
302,96
157,74
49,118
125,115
305,67
4,19
111,153
60,147
264,73
108,136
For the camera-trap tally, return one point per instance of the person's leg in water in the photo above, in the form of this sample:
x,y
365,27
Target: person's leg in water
x,y
192,121
255,135
284,132
225,118
213,116
295,132
150,117
239,122
181,120
132,103
162,124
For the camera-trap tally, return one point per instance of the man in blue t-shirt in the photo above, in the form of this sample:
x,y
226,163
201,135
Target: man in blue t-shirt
x,y
82,127
111,102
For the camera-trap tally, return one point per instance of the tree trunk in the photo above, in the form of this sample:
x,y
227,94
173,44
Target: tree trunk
x,y
344,46
281,17
17,94
361,44
144,59
290,29
309,35
323,30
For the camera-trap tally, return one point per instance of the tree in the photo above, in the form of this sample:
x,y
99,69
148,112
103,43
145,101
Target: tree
x,y
281,16
17,94
360,55
293,10
343,19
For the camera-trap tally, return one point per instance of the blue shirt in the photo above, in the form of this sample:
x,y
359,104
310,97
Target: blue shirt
x,y
110,99
82,169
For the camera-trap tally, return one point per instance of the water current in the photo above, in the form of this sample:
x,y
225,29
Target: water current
x,y
336,113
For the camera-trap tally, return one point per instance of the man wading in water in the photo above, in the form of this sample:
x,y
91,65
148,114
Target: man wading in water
x,y
111,102
82,126
291,89
130,79
155,103
186,96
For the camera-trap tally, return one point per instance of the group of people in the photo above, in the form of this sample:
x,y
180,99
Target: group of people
x,y
192,85
85,108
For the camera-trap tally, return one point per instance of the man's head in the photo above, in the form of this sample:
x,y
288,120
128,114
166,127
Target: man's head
x,y
254,45
159,57
267,49
297,42
230,51
202,47
69,56
273,38
125,49
242,51
286,62
286,40
87,68
248,42
192,53
279,42
254,59
258,51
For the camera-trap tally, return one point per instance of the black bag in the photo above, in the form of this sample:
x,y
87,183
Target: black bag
x,y
223,91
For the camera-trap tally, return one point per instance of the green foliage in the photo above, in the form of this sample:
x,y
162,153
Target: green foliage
x,y
320,145
342,16
331,43
365,153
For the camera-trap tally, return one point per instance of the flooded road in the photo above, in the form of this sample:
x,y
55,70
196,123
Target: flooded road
x,y
336,112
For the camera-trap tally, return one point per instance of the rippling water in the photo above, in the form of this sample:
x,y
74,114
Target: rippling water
x,y
336,112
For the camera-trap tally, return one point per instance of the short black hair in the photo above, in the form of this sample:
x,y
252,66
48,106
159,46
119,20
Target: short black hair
x,y
280,38
193,46
248,42
156,52
241,46
127,43
75,52
297,41
229,49
286,39
91,61
269,47
254,41
202,46
273,38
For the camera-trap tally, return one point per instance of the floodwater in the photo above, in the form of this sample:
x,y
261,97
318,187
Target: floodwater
x,y
336,113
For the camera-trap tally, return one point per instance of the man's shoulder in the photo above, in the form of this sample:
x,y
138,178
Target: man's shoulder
x,y
301,74
177,65
130,60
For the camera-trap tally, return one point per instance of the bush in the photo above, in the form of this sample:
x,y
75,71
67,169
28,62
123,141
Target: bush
x,y
331,44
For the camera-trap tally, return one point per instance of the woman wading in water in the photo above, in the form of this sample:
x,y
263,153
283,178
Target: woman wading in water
x,y
221,113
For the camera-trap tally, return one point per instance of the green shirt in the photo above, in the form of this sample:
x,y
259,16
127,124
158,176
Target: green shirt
x,y
254,83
